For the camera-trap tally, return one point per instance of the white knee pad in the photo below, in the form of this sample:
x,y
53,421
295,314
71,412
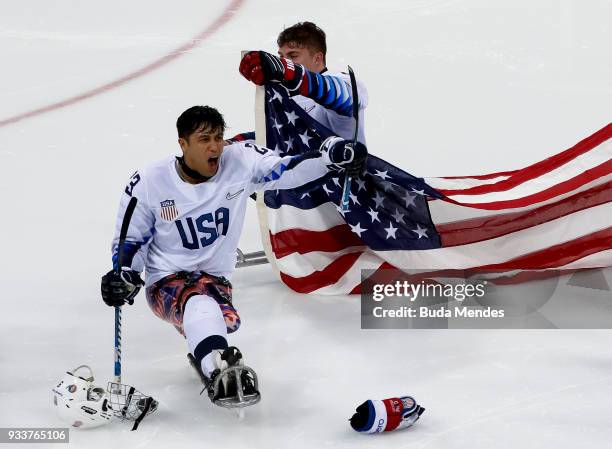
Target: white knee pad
x,y
203,318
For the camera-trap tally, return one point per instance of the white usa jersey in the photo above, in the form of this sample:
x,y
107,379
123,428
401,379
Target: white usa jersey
x,y
177,226
340,125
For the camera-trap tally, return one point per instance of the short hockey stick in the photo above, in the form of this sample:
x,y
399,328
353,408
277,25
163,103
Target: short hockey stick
x,y
346,191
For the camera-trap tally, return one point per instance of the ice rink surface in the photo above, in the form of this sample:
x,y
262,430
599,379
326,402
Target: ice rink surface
x,y
456,87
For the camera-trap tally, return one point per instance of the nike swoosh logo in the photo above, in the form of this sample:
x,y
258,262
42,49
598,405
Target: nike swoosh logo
x,y
309,109
232,196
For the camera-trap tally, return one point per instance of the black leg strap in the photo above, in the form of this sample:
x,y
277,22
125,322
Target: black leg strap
x,y
208,345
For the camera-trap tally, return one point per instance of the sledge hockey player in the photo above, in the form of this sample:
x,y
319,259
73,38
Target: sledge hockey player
x,y
302,69
184,232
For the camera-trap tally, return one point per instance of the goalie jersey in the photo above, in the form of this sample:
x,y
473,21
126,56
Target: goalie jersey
x,y
178,226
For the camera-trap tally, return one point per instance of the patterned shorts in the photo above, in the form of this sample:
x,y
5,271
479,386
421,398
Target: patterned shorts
x,y
168,296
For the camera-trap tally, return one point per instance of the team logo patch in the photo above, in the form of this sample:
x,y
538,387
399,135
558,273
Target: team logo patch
x,y
409,404
168,210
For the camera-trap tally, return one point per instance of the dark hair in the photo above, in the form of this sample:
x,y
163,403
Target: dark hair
x,y
304,34
199,118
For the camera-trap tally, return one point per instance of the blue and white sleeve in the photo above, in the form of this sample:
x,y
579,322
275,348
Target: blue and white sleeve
x,y
332,92
270,172
141,227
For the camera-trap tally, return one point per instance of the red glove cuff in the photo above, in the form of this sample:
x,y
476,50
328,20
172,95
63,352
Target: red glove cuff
x,y
251,69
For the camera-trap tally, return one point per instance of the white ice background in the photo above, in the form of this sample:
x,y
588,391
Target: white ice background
x,y
456,87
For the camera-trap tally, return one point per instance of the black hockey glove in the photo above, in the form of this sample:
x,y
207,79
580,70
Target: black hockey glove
x,y
119,288
340,154
260,67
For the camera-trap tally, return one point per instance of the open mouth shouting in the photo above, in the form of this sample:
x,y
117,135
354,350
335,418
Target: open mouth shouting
x,y
213,163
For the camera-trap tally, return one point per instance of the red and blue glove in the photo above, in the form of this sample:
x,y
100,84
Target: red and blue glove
x,y
330,91
386,415
260,67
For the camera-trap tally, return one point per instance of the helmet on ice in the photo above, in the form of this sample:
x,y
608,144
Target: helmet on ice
x,y
78,402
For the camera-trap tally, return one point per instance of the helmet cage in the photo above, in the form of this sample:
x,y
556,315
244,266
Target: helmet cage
x,y
127,403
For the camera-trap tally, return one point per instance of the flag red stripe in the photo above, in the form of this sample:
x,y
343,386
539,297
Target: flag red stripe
x,y
484,228
483,177
551,257
457,233
540,168
561,254
556,190
328,276
303,241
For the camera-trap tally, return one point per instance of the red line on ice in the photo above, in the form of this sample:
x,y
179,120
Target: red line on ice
x,y
227,14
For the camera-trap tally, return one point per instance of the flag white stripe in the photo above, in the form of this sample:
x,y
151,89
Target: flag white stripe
x,y
462,183
352,278
445,212
599,259
509,246
326,216
321,218
497,250
573,168
300,265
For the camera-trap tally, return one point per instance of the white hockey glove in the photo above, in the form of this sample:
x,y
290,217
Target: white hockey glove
x,y
340,154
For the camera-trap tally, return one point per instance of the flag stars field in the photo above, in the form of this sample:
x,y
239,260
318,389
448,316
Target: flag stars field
x,y
291,117
357,229
342,212
305,137
421,232
379,200
391,230
382,174
278,126
276,96
387,186
373,215
398,216
409,199
361,183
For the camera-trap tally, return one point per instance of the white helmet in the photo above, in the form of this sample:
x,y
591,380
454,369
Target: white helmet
x,y
79,402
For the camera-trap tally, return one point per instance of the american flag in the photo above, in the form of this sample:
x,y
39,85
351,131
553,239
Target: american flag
x,y
555,214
